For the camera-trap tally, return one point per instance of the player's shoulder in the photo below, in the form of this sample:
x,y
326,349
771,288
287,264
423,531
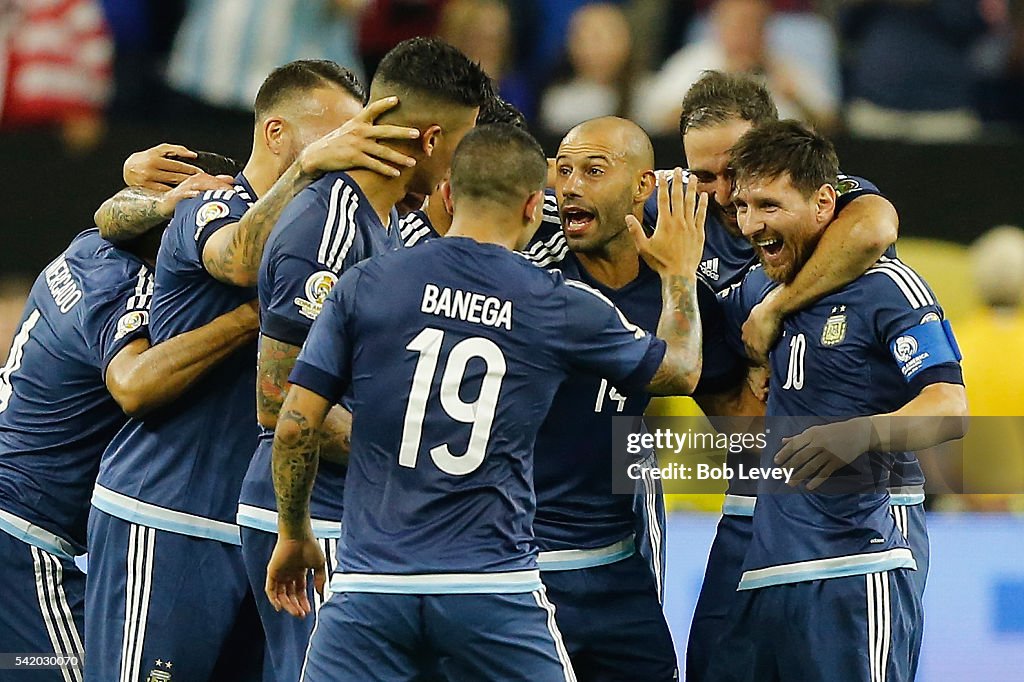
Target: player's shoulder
x,y
854,185
892,279
414,227
98,264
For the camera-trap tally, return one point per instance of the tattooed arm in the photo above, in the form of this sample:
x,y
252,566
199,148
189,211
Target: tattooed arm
x,y
294,467
674,252
680,328
135,210
233,253
276,360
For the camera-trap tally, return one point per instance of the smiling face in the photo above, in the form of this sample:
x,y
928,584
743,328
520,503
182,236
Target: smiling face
x,y
782,223
707,156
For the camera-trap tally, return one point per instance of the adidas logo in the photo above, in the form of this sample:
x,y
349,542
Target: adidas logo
x,y
709,268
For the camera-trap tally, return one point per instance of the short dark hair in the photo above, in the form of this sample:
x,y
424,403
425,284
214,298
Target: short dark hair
x,y
302,75
497,110
719,97
436,69
213,164
499,163
773,149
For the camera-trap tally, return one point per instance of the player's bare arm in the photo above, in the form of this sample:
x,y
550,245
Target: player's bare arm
x,y
295,461
938,414
142,377
233,253
276,361
674,252
133,211
857,237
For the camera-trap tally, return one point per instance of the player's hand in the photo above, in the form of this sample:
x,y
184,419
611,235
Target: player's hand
x,y
758,379
356,145
762,328
190,188
287,571
153,170
678,240
820,451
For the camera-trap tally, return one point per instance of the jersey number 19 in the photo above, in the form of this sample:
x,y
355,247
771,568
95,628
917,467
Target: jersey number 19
x,y
479,413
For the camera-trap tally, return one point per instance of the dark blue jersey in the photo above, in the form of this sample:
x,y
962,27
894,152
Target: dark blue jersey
x,y
415,227
727,257
866,349
180,468
575,505
56,415
329,227
453,352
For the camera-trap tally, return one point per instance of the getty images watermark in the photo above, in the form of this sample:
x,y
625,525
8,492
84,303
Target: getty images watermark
x,y
670,442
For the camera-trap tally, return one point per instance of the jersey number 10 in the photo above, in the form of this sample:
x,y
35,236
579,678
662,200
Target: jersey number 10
x,y
479,413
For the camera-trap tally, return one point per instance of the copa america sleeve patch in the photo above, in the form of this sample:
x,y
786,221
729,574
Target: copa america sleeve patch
x,y
928,344
211,211
130,322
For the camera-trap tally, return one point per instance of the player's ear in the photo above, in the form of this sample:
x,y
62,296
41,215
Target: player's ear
x,y
533,209
645,186
274,134
430,138
445,189
825,201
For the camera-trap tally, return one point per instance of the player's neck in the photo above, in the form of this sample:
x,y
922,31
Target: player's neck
x,y
485,227
437,214
382,192
614,266
261,173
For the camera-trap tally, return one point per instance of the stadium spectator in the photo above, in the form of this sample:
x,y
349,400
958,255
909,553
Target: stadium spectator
x,y
56,59
737,43
482,29
987,338
13,292
599,81
225,48
385,23
910,74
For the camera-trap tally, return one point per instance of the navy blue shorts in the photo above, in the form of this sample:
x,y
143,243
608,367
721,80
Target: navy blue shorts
x,y
711,616
287,637
164,606
911,520
363,636
43,610
612,622
649,512
854,629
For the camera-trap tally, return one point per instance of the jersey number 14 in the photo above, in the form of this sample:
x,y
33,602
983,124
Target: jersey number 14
x,y
480,412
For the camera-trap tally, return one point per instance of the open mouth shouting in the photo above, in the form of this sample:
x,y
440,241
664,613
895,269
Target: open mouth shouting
x,y
771,249
576,220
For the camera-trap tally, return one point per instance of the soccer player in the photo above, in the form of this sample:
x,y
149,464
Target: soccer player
x,y
717,110
80,362
608,598
338,221
437,562
825,591
434,217
167,490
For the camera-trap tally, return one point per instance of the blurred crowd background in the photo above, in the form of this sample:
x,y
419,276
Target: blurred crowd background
x,y
924,97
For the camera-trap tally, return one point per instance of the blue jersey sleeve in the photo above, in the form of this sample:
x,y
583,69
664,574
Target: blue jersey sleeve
x,y
324,365
909,323
209,213
114,318
849,187
723,366
598,339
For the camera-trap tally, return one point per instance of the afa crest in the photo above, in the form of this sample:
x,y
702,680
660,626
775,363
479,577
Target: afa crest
x,y
835,328
161,672
318,285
